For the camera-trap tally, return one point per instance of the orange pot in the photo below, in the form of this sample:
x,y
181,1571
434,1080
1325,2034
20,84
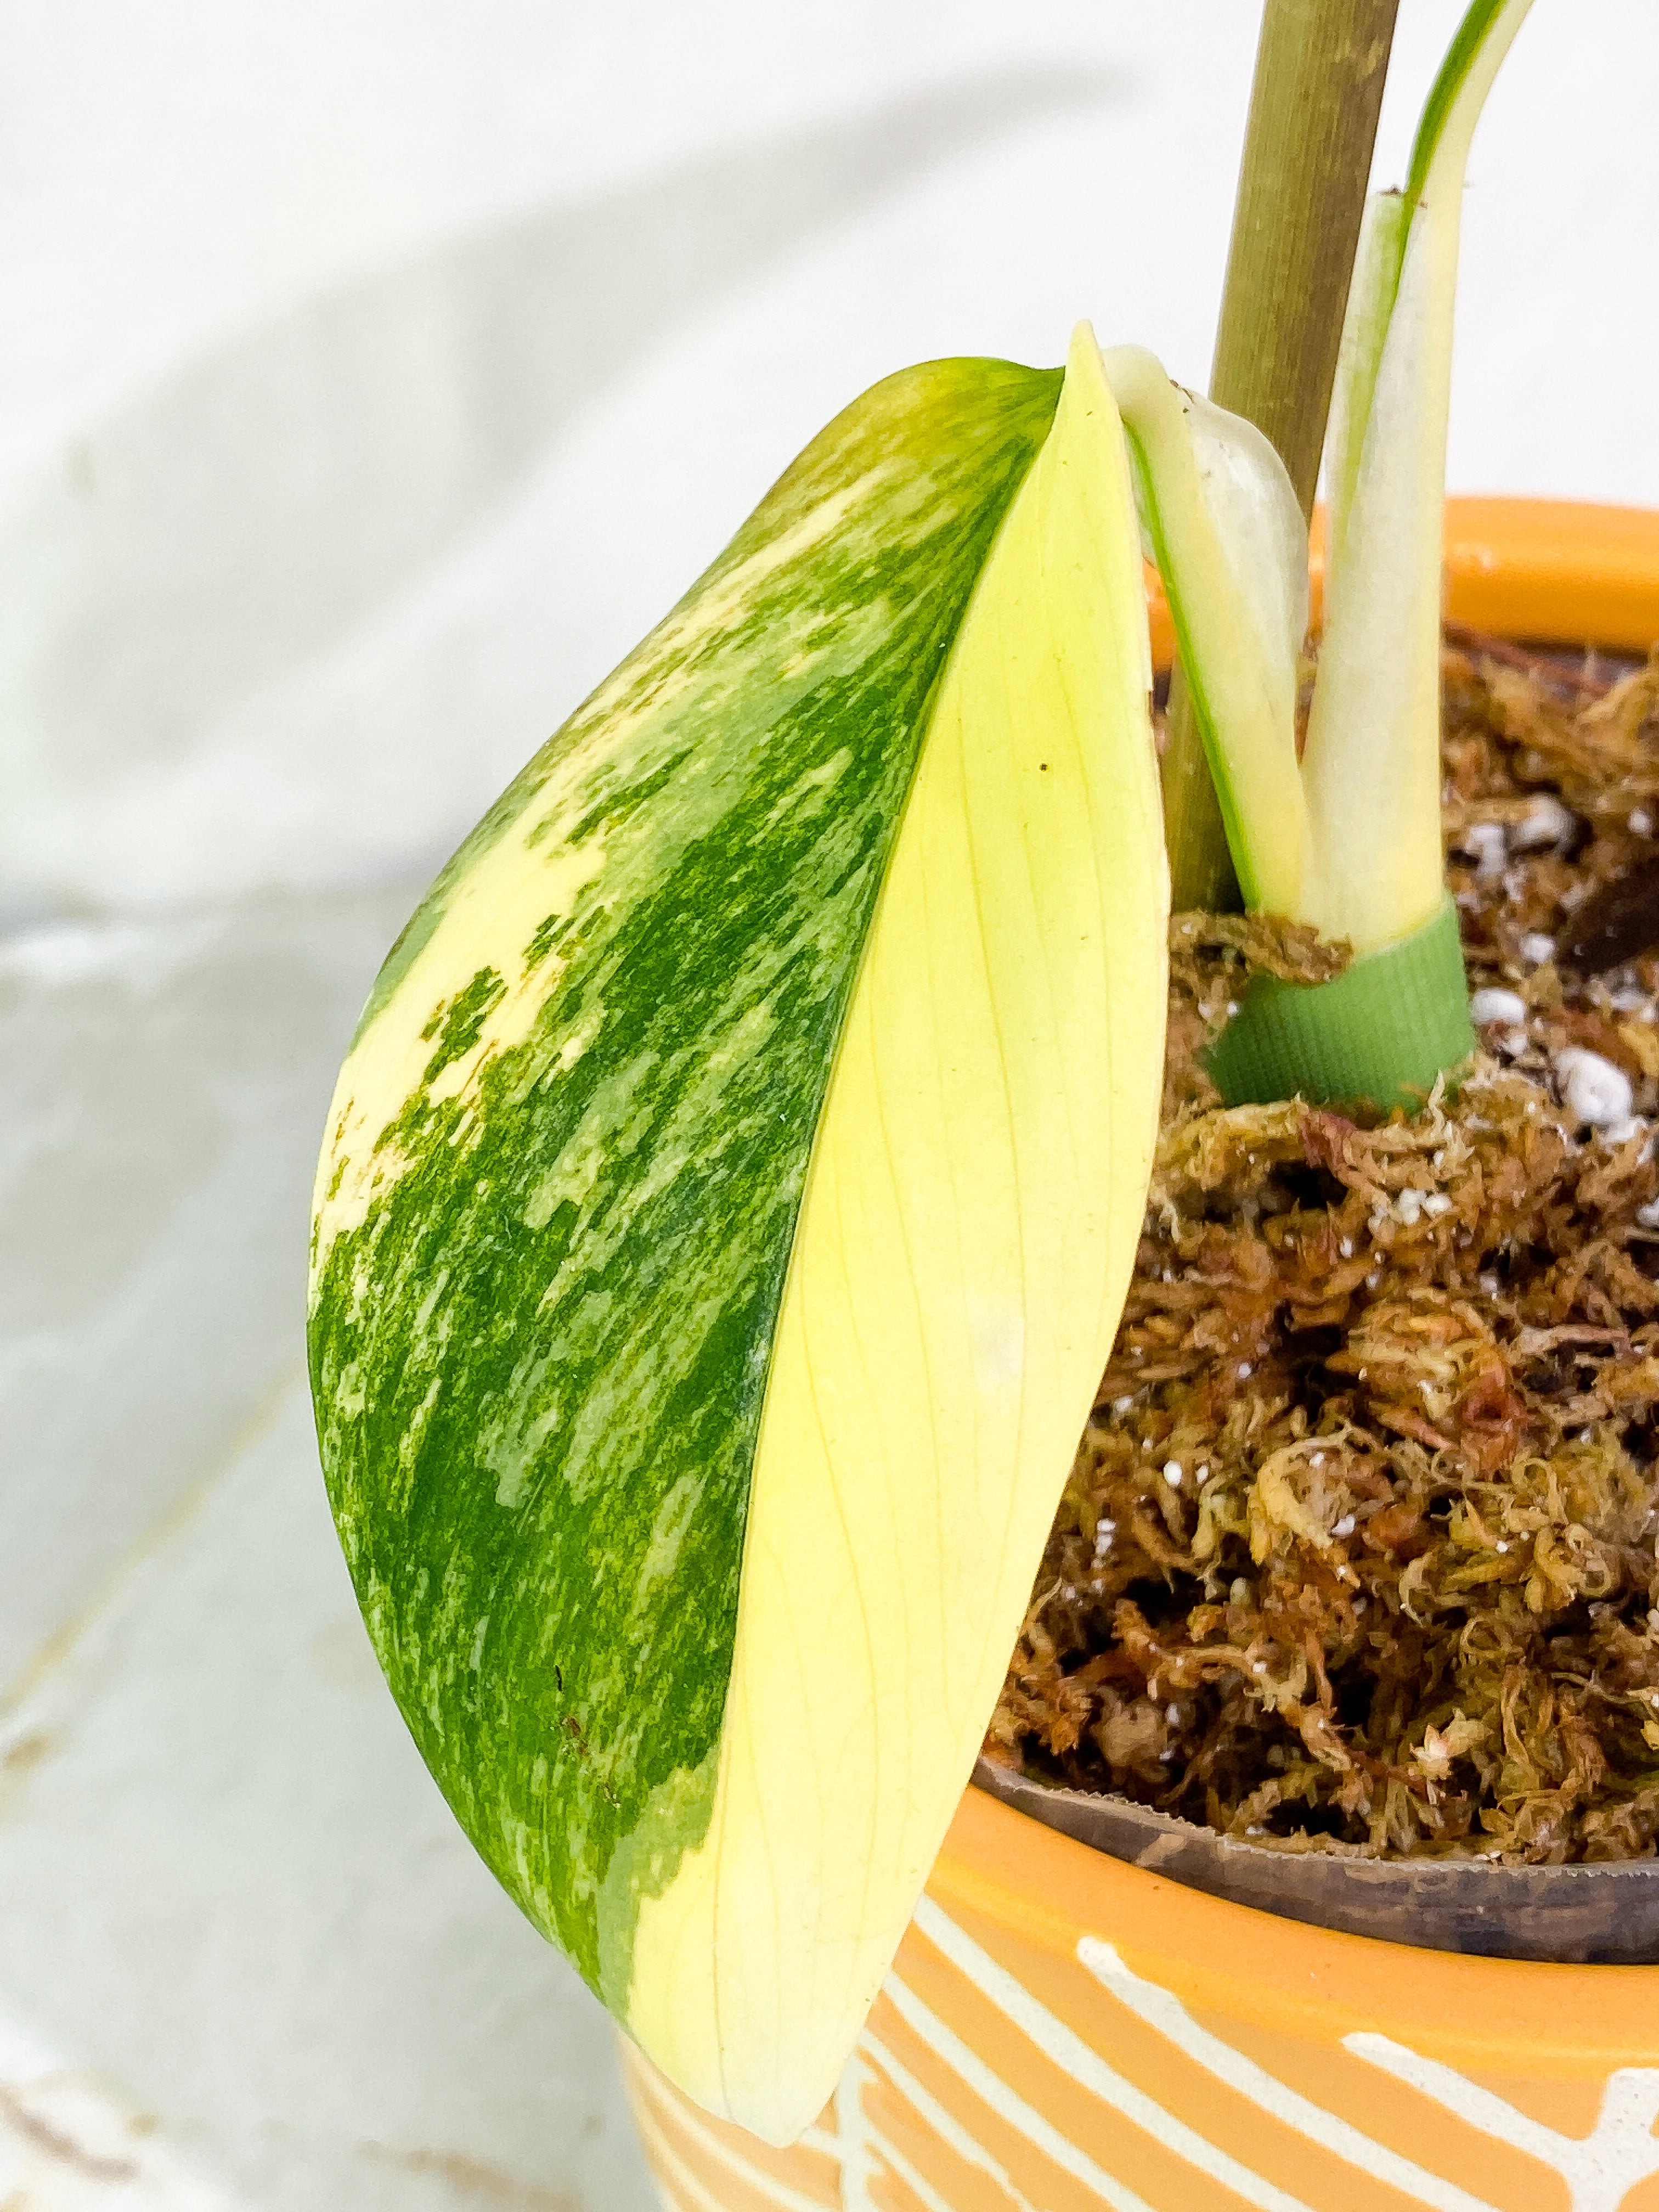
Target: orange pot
x,y
1064,2032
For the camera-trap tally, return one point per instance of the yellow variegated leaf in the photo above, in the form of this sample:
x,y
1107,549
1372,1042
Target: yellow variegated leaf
x,y
699,1368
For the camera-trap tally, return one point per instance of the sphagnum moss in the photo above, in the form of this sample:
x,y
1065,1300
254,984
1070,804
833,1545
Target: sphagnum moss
x,y
1361,1548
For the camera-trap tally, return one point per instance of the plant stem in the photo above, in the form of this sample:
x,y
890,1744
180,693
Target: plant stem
x,y
1319,74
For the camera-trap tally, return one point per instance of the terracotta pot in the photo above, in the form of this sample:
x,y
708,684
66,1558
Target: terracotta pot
x,y
1063,2032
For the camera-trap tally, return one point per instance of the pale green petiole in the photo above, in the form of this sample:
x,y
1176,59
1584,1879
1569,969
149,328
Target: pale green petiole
x,y
1349,841
1227,536
1371,768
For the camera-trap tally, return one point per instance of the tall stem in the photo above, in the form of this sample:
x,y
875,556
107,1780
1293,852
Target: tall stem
x,y
1319,74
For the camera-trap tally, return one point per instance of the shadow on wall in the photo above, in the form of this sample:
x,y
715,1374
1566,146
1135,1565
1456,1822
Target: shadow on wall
x,y
233,526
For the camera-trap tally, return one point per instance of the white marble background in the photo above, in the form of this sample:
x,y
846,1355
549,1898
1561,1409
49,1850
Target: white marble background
x,y
372,373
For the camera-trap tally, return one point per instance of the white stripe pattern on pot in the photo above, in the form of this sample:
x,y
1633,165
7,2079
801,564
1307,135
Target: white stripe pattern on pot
x,y
864,2150
1599,2170
945,2124
1164,2011
1074,2058
989,2086
720,2147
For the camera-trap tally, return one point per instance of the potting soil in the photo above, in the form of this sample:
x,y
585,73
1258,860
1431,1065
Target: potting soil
x,y
1360,1550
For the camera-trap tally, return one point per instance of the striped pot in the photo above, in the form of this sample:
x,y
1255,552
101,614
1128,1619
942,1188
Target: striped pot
x,y
1063,2032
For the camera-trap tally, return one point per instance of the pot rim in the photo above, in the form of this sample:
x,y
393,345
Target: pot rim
x,y
1542,571
1045,1895
1549,572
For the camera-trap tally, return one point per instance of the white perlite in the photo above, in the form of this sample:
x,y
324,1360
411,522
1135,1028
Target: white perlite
x,y
1595,1090
1488,844
1546,822
1492,1005
1620,1133
1537,948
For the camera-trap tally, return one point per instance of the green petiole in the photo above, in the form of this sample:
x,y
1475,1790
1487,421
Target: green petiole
x,y
1227,537
1348,840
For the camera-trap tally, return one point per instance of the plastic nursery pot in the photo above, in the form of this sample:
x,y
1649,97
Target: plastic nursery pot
x,y
1062,2031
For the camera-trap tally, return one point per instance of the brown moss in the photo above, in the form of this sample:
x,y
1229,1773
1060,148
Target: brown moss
x,y
1360,1550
